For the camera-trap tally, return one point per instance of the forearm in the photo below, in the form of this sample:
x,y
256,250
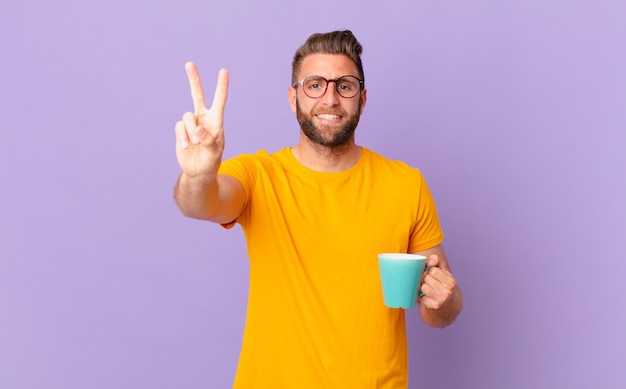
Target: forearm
x,y
197,196
444,315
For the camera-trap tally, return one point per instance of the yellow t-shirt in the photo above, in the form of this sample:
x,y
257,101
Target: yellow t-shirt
x,y
316,317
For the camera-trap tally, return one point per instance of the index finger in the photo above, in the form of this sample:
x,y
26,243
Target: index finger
x,y
197,93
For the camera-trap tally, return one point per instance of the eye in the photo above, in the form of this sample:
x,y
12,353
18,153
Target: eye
x,y
313,83
347,85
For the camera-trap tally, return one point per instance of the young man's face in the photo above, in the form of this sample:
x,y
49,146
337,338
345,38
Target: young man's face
x,y
329,120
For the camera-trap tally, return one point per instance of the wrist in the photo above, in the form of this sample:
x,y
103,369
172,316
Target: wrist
x,y
196,180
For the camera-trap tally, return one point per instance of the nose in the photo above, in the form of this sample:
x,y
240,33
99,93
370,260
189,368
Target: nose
x,y
331,97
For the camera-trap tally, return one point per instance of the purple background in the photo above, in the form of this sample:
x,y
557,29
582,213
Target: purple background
x,y
514,111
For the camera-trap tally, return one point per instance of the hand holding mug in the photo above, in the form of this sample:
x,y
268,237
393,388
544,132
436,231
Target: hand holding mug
x,y
437,284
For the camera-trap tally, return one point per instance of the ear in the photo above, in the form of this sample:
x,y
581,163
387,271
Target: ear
x,y
363,100
291,95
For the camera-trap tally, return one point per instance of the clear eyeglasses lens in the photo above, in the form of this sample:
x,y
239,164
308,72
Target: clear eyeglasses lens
x,y
346,86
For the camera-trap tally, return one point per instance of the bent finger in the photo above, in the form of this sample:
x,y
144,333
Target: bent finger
x,y
182,139
191,126
441,275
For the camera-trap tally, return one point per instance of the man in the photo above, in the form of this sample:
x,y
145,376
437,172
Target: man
x,y
315,215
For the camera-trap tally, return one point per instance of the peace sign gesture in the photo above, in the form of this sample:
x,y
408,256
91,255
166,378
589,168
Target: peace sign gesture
x,y
200,134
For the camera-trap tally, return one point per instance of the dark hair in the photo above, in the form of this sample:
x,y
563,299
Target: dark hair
x,y
336,42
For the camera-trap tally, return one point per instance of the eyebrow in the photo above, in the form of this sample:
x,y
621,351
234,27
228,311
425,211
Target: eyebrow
x,y
331,79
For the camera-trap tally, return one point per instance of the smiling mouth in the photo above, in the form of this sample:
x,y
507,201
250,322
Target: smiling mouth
x,y
328,116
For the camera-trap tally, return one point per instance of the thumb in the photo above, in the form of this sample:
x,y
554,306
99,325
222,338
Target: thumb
x,y
432,261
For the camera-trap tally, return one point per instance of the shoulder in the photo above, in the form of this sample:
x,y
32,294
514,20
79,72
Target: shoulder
x,y
388,166
252,163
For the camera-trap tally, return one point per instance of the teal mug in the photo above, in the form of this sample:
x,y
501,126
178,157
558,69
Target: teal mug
x,y
401,276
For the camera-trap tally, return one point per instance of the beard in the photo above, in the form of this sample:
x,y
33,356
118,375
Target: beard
x,y
315,134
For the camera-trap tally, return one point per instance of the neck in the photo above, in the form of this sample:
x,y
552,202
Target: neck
x,y
326,159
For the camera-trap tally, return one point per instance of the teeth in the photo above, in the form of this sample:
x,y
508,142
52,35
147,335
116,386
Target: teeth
x,y
328,116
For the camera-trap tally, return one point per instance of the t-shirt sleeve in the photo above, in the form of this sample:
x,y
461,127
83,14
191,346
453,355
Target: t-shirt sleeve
x,y
427,232
241,168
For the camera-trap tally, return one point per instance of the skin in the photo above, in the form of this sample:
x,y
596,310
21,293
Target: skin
x,y
201,193
314,155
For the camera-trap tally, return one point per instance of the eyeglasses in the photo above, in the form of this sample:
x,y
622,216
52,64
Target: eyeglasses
x,y
316,86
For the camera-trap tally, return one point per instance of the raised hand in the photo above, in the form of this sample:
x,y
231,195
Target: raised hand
x,y
200,134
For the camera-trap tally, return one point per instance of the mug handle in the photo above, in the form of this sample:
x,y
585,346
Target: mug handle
x,y
420,293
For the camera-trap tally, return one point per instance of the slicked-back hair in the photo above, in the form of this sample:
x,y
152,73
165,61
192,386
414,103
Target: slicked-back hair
x,y
336,42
